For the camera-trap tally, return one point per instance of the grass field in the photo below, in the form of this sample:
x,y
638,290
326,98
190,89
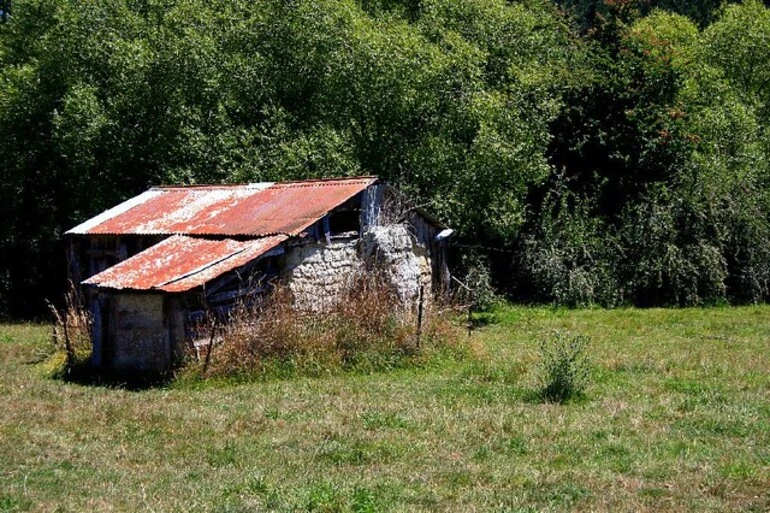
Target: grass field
x,y
677,419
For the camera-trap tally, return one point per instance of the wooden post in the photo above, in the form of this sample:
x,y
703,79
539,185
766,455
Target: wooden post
x,y
420,307
327,229
470,311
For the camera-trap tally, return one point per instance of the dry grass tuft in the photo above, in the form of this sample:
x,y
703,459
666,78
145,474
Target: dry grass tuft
x,y
71,338
366,329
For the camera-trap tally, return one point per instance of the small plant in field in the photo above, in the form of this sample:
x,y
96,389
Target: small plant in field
x,y
564,368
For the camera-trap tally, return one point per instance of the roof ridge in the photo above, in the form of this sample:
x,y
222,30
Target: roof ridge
x,y
330,180
298,183
209,185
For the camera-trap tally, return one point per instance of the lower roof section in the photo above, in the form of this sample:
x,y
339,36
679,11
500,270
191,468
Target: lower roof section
x,y
181,263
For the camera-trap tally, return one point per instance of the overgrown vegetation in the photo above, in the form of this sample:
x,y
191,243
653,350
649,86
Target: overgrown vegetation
x,y
365,328
659,191
676,421
618,150
476,289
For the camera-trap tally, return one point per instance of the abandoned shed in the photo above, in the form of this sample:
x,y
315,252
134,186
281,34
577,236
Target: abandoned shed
x,y
152,266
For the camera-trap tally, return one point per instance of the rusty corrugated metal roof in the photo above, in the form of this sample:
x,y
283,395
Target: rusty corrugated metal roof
x,y
226,210
181,263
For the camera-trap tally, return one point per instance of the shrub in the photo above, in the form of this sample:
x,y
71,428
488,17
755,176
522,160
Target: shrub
x,y
673,250
564,368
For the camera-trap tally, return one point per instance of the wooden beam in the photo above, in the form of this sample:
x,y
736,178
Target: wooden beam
x,y
327,229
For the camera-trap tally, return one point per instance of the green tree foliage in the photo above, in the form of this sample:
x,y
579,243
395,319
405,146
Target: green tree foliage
x,y
98,100
738,44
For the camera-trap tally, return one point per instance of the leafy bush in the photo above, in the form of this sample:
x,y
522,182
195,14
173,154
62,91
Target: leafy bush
x,y
673,253
564,368
478,277
569,258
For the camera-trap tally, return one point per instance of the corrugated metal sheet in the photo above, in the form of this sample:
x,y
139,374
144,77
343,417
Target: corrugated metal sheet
x,y
181,263
226,210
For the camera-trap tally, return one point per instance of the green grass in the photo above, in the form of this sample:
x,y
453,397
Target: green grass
x,y
677,418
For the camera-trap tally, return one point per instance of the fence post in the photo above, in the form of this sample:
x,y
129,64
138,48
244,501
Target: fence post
x,y
471,302
420,306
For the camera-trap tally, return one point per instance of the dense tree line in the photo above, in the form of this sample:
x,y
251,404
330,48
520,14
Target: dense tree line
x,y
619,151
659,184
589,13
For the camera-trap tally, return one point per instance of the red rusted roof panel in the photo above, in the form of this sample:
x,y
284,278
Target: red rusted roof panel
x,y
250,210
181,263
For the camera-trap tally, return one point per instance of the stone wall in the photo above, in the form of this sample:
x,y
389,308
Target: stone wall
x,y
317,272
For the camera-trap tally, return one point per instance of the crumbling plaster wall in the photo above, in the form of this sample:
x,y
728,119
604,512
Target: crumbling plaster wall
x,y
406,264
